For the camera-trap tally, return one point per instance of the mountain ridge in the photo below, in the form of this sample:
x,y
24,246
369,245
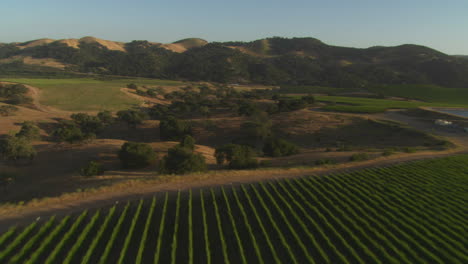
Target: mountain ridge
x,y
275,60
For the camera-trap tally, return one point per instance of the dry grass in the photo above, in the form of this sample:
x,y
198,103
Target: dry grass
x,y
149,182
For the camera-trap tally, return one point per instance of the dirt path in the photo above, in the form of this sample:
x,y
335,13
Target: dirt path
x,y
136,189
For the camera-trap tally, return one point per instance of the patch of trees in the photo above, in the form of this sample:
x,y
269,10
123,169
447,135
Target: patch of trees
x,y
236,156
276,147
92,168
287,105
182,159
15,94
174,129
82,127
18,147
134,155
132,117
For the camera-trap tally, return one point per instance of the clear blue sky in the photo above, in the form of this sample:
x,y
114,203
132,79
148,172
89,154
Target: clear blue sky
x,y
442,25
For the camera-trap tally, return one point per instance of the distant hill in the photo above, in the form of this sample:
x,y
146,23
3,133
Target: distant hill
x,y
293,61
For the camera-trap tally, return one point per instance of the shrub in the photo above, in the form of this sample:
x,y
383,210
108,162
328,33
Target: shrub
x,y
93,168
16,148
256,130
286,105
388,152
247,108
105,117
324,162
359,157
188,142
68,131
409,150
237,156
134,155
132,117
151,92
158,111
19,99
276,147
29,130
7,110
132,86
180,160
174,129
88,124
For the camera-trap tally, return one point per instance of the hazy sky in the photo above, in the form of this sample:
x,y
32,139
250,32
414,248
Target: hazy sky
x,y
442,25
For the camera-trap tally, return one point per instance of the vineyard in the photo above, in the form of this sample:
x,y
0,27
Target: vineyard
x,y
409,213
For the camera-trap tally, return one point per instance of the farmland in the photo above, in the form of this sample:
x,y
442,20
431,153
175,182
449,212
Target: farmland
x,y
86,94
370,105
408,213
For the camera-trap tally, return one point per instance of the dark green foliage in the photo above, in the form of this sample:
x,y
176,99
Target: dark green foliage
x,y
132,86
68,131
158,111
29,130
247,108
237,156
174,129
181,160
324,162
359,157
188,142
309,99
256,130
7,110
276,147
132,117
88,124
388,152
286,105
19,99
16,148
93,168
409,150
105,117
135,155
9,90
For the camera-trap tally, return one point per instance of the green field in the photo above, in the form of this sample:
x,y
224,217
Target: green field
x,y
370,105
427,93
409,213
86,94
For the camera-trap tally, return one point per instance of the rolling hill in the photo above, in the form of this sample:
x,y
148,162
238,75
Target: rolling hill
x,y
277,61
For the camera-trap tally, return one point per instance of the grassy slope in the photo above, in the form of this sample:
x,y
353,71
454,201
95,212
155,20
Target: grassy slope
x,y
86,94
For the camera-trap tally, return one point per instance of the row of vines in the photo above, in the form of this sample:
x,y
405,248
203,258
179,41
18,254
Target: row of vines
x,y
409,213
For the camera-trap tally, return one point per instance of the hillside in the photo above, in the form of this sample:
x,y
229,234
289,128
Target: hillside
x,y
273,61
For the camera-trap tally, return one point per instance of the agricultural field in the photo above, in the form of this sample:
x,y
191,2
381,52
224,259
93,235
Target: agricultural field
x,y
408,213
87,94
370,105
427,93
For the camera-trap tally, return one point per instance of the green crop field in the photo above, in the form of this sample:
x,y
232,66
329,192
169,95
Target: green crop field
x,y
409,213
86,94
370,105
427,93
